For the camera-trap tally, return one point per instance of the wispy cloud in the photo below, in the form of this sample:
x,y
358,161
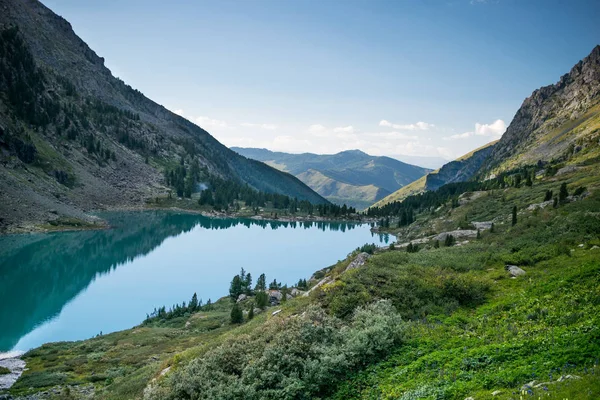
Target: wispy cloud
x,y
418,126
206,122
269,127
495,130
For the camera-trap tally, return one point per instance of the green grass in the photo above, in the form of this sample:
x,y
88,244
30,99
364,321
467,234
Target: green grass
x,y
4,370
469,328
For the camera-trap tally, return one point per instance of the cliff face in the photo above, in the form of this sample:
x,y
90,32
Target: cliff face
x,y
546,123
74,138
459,170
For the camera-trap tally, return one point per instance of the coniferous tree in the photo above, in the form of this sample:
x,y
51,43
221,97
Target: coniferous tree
x,y
449,241
261,283
193,306
548,195
235,289
492,228
248,283
514,215
261,299
251,311
436,244
478,234
284,291
563,193
237,316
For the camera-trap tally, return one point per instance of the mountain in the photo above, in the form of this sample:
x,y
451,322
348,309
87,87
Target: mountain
x,y
455,171
553,124
75,138
352,177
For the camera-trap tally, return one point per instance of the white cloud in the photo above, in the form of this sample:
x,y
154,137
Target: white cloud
x,y
494,130
345,129
206,122
418,126
269,127
393,135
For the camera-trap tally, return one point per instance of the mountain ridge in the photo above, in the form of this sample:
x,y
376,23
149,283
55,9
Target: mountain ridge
x,y
350,176
74,138
554,123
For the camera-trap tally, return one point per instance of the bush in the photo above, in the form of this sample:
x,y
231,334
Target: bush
x,y
299,359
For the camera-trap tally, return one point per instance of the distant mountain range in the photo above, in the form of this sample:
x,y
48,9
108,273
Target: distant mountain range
x,y
553,124
351,177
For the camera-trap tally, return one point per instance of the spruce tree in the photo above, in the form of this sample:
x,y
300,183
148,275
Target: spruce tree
x,y
251,311
237,317
193,306
514,215
261,283
563,193
235,289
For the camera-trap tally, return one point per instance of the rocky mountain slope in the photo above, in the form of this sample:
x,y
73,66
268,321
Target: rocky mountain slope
x,y
352,177
555,123
549,122
74,138
458,170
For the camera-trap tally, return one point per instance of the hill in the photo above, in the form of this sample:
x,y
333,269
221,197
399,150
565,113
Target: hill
x,y
473,299
554,124
352,177
74,138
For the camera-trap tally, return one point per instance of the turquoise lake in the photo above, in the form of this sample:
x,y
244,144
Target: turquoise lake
x,y
74,285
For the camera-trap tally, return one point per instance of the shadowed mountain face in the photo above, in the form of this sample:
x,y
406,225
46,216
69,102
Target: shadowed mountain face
x,y
553,124
41,273
350,177
73,137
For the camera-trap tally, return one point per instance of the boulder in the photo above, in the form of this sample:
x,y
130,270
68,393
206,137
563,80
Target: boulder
x,y
543,204
358,261
515,271
458,234
296,292
276,312
241,297
482,225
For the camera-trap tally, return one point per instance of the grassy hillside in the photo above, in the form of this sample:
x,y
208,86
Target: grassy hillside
x,y
453,324
454,171
350,177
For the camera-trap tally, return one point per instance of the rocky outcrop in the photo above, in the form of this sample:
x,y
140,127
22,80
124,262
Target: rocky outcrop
x,y
460,170
358,261
514,271
16,367
556,109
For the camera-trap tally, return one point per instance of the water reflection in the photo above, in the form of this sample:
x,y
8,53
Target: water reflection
x,y
41,273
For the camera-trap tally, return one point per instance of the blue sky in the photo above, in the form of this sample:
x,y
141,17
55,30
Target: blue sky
x,y
427,78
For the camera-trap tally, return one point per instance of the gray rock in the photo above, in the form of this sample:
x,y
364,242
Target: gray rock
x,y
358,261
276,312
482,225
515,271
543,204
241,297
496,392
458,234
16,367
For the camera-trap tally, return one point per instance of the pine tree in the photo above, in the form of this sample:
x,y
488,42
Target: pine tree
x,y
548,195
436,244
284,291
193,306
237,316
492,228
261,283
514,215
235,289
251,311
248,283
261,299
449,241
478,234
563,193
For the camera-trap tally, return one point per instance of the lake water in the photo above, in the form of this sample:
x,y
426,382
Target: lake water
x,y
74,285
